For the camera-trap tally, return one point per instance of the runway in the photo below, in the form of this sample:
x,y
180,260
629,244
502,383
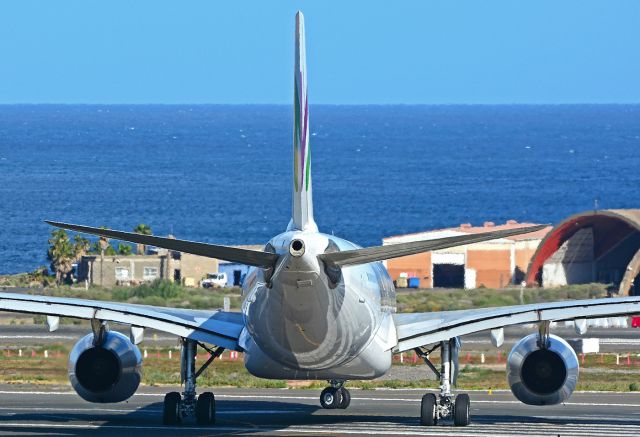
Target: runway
x,y
58,410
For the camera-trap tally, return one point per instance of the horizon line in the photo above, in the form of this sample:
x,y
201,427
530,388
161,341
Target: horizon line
x,y
314,104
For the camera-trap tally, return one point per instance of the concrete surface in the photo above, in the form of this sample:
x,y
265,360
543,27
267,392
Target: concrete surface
x,y
30,410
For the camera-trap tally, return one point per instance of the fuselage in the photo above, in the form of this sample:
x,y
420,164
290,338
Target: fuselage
x,y
301,324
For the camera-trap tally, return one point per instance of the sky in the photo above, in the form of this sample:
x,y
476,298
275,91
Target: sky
x,y
358,52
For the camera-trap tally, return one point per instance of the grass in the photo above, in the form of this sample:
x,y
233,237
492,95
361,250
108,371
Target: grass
x,y
454,299
159,369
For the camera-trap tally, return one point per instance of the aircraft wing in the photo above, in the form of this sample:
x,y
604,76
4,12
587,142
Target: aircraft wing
x,y
420,329
227,253
210,326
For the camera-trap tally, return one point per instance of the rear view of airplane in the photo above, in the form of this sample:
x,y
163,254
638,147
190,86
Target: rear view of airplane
x,y
315,307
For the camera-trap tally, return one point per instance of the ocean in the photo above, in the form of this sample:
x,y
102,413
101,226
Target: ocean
x,y
220,173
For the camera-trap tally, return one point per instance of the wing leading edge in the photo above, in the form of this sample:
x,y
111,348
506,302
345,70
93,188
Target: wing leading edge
x,y
381,253
215,327
419,329
233,254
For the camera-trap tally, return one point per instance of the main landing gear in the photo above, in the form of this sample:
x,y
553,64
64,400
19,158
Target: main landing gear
x,y
435,408
180,406
336,396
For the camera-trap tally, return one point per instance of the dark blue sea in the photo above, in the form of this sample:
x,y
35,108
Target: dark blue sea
x,y
223,173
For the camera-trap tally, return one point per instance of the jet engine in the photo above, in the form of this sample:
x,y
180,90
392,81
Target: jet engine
x,y
542,374
106,372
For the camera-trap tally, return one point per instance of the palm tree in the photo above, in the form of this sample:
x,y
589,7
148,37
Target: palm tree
x,y
103,242
142,229
124,249
81,246
61,253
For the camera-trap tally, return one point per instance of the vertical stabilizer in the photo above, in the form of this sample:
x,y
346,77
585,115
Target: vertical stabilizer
x,y
302,217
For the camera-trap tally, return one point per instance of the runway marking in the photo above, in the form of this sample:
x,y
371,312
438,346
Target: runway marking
x,y
385,429
133,410
39,337
315,398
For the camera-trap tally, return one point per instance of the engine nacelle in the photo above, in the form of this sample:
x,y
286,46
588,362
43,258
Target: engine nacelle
x,y
542,376
110,372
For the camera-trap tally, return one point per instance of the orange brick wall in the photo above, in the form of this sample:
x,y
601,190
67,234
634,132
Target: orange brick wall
x,y
490,266
418,265
523,258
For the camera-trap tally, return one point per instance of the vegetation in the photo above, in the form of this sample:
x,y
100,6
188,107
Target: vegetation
x,y
159,369
63,253
38,278
142,229
124,249
160,292
451,300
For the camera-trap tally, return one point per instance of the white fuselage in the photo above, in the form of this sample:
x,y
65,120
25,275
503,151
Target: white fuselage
x,y
301,325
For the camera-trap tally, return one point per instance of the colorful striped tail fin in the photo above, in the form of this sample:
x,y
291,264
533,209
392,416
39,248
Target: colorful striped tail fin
x,y
302,217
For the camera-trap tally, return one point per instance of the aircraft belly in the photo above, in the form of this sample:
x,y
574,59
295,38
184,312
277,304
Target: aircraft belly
x,y
302,324
373,362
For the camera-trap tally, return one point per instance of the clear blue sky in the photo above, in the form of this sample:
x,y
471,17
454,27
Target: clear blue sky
x,y
486,51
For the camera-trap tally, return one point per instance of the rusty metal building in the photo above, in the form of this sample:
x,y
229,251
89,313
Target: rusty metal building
x,y
593,246
496,263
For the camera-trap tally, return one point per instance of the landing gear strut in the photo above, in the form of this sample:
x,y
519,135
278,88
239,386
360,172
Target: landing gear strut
x,y
435,408
180,406
336,396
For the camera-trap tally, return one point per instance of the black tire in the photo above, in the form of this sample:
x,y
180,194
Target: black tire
x,y
461,410
428,410
330,398
171,411
345,398
206,409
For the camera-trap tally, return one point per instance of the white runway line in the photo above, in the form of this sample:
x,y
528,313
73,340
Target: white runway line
x,y
528,429
39,337
315,398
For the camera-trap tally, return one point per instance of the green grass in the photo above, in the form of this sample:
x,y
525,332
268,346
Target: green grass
x,y
453,299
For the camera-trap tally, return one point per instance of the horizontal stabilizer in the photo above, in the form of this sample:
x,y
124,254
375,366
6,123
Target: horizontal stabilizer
x,y
380,253
233,254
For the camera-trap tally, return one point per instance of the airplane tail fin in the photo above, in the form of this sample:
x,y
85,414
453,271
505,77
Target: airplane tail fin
x,y
302,215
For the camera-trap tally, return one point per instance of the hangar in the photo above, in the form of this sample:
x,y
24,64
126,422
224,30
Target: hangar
x,y
594,246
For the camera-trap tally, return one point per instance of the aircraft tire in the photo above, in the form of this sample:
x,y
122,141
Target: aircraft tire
x,y
206,409
461,410
428,410
330,398
171,411
345,398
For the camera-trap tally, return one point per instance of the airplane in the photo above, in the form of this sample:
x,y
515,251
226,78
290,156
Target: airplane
x,y
315,307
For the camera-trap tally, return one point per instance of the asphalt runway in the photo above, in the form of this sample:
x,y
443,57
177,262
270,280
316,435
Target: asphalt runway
x,y
34,410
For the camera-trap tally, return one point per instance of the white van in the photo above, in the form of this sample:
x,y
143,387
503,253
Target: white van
x,y
214,280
